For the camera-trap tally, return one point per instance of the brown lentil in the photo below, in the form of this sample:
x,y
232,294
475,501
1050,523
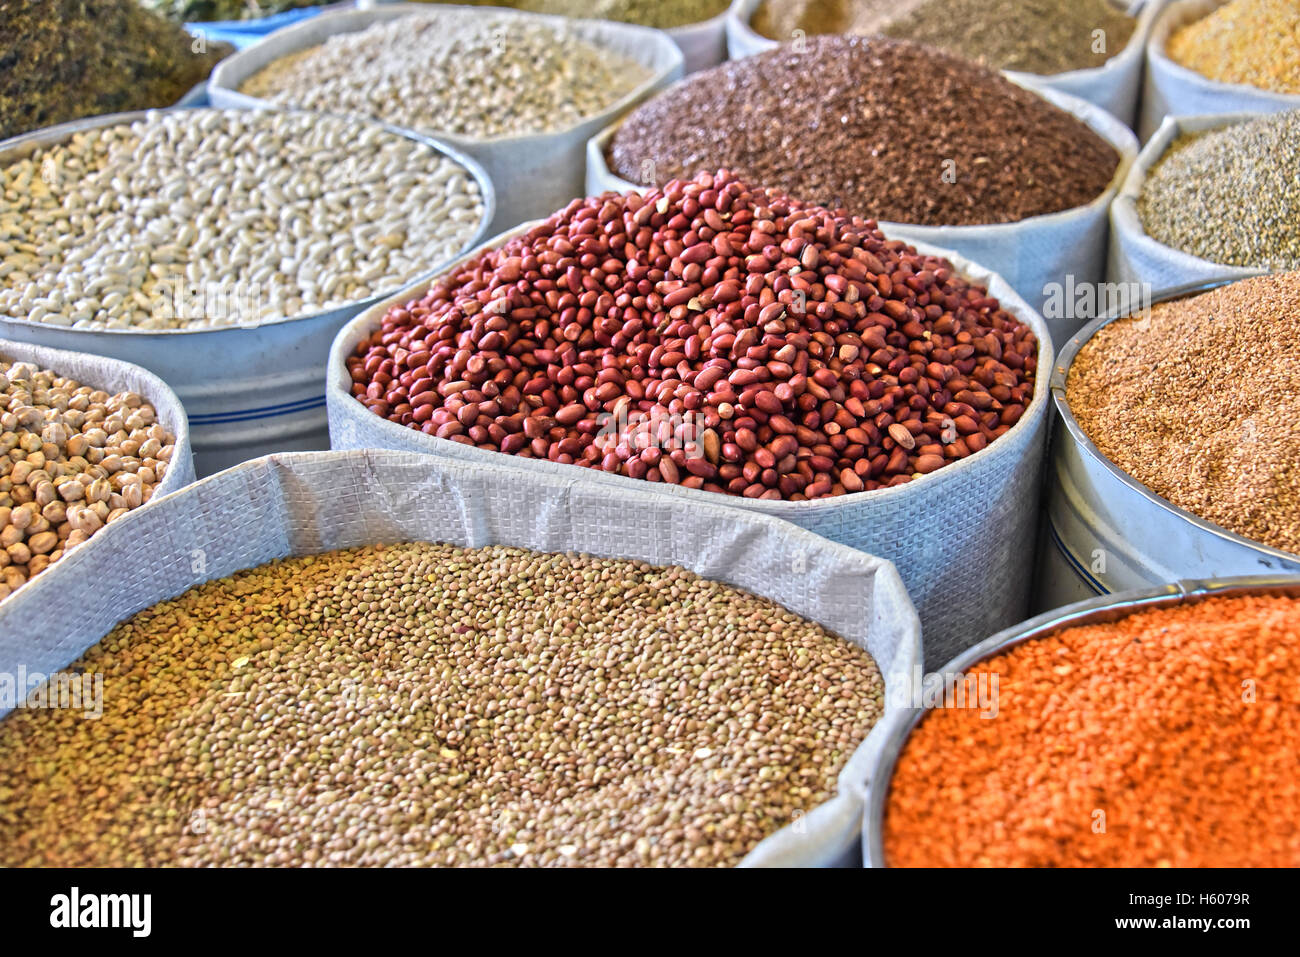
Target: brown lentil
x,y
1230,196
1036,36
820,120
429,704
1164,739
1199,402
61,60
707,334
1255,42
72,459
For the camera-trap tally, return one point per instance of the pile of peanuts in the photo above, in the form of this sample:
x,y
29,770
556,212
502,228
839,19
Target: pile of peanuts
x,y
72,459
711,335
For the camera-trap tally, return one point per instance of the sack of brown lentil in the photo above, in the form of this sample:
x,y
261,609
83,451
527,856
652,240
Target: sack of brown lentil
x,y
661,575
519,92
1038,256
1231,38
962,539
1066,49
84,440
1188,210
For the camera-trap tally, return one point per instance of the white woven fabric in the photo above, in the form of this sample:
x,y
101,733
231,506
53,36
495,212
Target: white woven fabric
x,y
1173,90
1033,255
532,175
1137,257
307,503
962,537
1114,86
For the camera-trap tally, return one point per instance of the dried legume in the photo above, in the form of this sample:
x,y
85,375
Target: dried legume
x,y
472,73
1231,196
428,704
1199,402
711,335
1255,42
1164,739
1036,36
198,218
662,14
821,120
61,60
72,459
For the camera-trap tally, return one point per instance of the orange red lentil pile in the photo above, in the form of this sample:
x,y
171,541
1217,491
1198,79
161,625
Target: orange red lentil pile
x,y
1163,739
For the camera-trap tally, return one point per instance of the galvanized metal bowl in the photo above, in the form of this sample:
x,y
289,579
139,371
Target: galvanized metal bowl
x,y
249,389
1104,531
894,731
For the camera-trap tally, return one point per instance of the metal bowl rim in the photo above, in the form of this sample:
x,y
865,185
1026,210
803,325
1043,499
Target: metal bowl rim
x,y
1057,389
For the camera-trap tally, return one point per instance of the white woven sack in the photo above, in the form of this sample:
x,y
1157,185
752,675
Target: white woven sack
x,y
1173,90
1136,257
962,537
1034,255
703,44
533,175
1114,86
306,503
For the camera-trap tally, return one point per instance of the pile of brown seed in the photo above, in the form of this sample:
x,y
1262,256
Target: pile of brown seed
x,y
72,459
821,121
1036,36
61,60
429,704
1255,42
1200,401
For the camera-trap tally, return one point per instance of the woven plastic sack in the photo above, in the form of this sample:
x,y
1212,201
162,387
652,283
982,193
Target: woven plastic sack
x,y
534,174
1136,257
113,376
962,537
703,44
307,503
1173,90
1039,256
1114,86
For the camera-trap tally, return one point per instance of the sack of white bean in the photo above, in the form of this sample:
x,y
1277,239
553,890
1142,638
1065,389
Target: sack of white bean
x,y
244,241
962,537
83,441
521,93
1171,89
698,27
1136,256
308,504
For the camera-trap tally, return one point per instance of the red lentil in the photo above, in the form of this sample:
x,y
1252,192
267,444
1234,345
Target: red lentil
x,y
1173,730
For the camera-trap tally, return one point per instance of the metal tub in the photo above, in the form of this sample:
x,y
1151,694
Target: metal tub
x,y
248,390
1104,532
892,736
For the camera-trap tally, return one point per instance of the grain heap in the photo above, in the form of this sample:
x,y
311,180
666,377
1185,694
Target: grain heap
x,y
429,704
